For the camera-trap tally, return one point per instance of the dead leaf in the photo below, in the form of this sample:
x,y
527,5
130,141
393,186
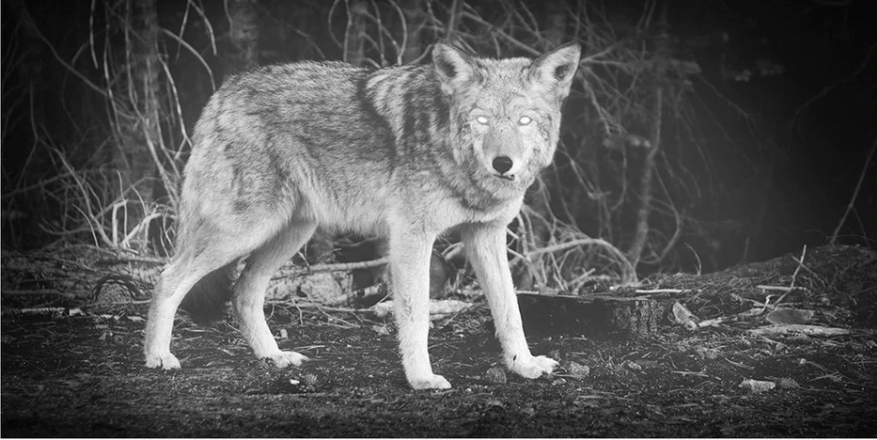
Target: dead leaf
x,y
757,386
787,383
495,402
382,309
788,315
577,369
381,329
442,308
684,316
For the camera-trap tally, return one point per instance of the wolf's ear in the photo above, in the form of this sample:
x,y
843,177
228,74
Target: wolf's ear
x,y
455,69
555,69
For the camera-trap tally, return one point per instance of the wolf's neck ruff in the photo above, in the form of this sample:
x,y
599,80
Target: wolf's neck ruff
x,y
432,129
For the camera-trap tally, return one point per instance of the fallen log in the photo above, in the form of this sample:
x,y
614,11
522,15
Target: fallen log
x,y
612,316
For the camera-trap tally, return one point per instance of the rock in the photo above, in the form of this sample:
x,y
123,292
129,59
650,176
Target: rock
x,y
309,380
496,375
577,369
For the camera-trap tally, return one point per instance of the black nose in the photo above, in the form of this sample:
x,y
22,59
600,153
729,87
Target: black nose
x,y
502,164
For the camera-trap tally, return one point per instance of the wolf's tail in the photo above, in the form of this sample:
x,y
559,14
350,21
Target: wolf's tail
x,y
206,301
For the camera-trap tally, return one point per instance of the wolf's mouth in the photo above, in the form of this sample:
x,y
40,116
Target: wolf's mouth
x,y
508,177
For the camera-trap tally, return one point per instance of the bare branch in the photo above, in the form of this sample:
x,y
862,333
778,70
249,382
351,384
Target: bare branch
x,y
852,203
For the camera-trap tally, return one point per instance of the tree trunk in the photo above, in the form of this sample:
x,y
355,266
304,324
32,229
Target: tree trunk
x,y
354,37
414,20
29,97
244,35
662,57
142,133
555,22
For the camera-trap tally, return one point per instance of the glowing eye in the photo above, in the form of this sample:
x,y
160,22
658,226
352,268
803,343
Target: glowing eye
x,y
481,120
525,120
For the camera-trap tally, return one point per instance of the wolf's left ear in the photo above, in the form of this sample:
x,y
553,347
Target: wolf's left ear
x,y
555,69
454,67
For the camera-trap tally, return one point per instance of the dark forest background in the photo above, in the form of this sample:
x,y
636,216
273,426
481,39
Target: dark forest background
x,y
699,133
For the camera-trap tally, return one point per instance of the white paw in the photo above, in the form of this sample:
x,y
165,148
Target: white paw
x,y
532,367
283,359
165,361
431,382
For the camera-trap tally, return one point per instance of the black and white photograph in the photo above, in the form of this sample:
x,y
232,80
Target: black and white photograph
x,y
438,218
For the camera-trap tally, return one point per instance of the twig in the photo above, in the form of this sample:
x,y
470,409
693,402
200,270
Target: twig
x,y
514,41
146,260
314,305
34,311
629,272
662,290
71,69
45,182
194,53
87,211
329,23
865,64
339,267
780,288
38,292
855,193
798,269
567,245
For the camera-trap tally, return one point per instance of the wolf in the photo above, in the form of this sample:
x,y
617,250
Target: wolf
x,y
406,153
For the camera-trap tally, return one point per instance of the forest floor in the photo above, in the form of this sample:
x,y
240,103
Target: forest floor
x,y
803,326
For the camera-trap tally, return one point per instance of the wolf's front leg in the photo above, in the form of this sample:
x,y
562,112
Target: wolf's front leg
x,y
486,248
409,265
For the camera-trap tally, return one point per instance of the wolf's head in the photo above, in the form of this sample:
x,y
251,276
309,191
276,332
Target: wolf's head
x,y
505,114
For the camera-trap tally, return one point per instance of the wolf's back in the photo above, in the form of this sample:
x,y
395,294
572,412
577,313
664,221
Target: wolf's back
x,y
308,137
325,142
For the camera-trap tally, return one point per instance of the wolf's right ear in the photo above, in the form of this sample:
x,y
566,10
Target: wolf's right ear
x,y
455,69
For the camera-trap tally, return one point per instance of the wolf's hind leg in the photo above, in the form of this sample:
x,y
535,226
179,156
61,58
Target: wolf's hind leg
x,y
175,282
249,291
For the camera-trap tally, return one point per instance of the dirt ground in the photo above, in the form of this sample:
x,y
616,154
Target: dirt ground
x,y
70,368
